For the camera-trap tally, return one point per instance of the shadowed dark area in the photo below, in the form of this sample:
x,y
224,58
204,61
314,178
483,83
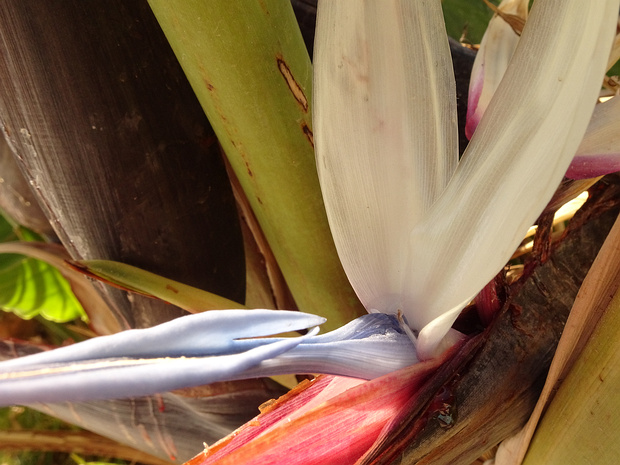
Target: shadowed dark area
x,y
122,159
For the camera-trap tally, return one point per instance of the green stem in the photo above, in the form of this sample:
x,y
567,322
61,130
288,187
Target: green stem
x,y
247,64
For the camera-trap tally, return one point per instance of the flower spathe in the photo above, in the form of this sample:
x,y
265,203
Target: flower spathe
x,y
333,420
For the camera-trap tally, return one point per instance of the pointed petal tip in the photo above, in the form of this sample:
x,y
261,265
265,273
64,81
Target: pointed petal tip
x,y
116,378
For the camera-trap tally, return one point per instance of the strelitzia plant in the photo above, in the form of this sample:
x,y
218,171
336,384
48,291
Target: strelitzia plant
x,y
418,232
354,70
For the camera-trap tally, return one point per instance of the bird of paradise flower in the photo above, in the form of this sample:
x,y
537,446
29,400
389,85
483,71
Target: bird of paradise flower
x,y
418,232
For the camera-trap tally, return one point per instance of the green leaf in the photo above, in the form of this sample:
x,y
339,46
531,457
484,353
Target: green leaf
x,y
467,18
143,282
30,287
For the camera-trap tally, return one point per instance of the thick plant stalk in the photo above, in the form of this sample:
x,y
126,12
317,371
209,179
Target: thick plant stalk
x,y
594,298
16,197
249,68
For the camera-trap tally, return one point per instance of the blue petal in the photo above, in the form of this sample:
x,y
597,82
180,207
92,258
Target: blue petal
x,y
368,347
202,349
209,333
118,378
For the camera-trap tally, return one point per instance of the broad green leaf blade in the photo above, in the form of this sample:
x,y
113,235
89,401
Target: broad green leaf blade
x,y
386,133
101,317
30,287
514,162
250,70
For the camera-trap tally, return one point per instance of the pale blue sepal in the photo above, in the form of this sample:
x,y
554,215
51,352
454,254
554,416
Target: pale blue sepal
x,y
128,377
368,347
210,333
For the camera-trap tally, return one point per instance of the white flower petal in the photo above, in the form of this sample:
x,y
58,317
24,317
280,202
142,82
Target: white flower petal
x,y
385,132
614,56
515,160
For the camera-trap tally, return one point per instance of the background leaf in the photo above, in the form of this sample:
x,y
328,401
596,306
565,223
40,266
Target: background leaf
x,y
466,18
30,287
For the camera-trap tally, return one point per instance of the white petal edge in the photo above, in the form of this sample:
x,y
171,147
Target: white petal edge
x,y
614,56
385,132
515,160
